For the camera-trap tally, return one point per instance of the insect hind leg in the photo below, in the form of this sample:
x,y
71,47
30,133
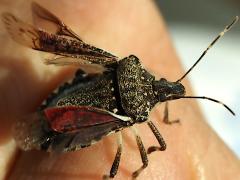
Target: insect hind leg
x,y
117,158
143,154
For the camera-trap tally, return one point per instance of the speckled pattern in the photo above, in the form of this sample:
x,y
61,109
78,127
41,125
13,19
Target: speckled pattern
x,y
89,90
126,90
135,86
69,46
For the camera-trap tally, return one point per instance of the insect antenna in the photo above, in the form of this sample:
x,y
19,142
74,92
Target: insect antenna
x,y
209,47
210,99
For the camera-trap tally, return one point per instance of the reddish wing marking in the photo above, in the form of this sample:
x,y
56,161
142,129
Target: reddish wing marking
x,y
66,128
73,118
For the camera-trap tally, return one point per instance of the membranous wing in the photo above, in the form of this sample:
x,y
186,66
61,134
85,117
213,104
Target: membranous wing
x,y
47,21
67,128
84,65
61,41
21,32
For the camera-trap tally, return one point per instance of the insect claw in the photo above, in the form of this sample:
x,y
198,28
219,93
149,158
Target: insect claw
x,y
106,177
151,149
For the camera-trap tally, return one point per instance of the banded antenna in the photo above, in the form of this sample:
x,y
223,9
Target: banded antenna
x,y
227,28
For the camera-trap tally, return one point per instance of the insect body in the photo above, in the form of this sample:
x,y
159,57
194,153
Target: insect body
x,y
92,106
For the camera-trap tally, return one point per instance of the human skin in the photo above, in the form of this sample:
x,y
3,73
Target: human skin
x,y
123,27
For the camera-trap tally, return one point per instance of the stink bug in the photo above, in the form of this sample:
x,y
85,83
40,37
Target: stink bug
x,y
92,106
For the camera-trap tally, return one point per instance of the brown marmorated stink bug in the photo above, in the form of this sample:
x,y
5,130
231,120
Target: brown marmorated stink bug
x,y
92,106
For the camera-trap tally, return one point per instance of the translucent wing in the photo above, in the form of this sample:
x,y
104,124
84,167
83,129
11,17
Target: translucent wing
x,y
51,23
46,20
34,38
21,32
83,64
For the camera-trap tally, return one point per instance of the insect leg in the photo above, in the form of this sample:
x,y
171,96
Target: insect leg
x,y
142,152
116,161
166,116
158,137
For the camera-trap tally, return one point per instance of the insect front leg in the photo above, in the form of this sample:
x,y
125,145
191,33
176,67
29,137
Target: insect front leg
x,y
166,116
117,158
142,152
158,137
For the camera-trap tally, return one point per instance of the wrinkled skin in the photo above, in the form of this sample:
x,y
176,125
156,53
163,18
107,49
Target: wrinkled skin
x,y
123,27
